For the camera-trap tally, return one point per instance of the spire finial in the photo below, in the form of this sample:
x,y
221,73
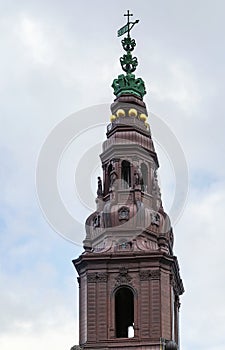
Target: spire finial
x,y
128,84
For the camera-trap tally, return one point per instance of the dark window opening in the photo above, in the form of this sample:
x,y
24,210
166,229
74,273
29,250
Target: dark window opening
x,y
124,312
107,182
144,172
125,174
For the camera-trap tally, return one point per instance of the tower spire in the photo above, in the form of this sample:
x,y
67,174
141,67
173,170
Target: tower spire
x,y
128,275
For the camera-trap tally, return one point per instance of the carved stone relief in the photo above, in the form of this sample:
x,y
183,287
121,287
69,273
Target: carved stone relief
x,y
145,275
123,277
124,213
123,246
155,274
95,277
149,275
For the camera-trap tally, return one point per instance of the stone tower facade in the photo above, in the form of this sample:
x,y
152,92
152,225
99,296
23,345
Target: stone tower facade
x,y
129,280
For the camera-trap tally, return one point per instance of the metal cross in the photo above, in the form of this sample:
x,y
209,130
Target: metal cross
x,y
128,15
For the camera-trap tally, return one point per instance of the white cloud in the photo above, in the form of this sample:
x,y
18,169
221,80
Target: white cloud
x,y
200,242
178,85
58,338
34,38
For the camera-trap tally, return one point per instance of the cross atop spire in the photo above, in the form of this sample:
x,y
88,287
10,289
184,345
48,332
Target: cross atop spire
x,y
128,15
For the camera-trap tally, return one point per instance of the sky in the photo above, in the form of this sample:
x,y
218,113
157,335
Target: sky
x,y
60,57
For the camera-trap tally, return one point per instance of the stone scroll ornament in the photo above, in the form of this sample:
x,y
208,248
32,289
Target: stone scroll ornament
x,y
128,84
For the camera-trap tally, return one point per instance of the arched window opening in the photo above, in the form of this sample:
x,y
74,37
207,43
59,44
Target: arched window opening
x,y
125,174
144,172
124,313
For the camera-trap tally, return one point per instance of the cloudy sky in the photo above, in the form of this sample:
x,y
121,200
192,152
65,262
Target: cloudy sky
x,y
58,57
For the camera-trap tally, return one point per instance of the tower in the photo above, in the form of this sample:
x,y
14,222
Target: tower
x,y
129,280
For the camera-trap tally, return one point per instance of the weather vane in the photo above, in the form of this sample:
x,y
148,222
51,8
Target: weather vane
x,y
127,28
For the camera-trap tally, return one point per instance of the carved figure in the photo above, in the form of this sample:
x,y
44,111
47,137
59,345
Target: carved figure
x,y
155,219
99,190
113,176
138,179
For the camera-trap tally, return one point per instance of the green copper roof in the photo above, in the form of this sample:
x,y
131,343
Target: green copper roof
x,y
128,84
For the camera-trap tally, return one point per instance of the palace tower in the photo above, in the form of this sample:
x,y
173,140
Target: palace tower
x,y
129,280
